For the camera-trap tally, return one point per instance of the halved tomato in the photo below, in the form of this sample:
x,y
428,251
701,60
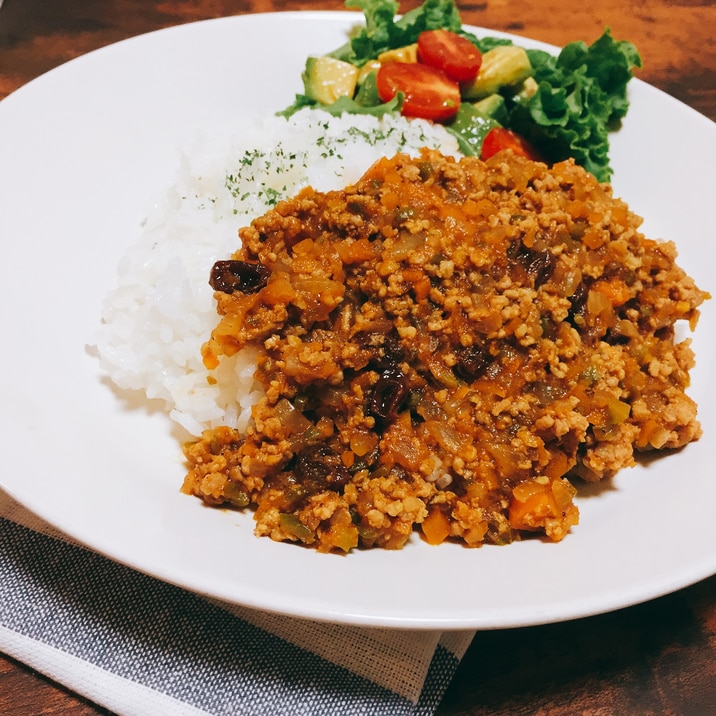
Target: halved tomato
x,y
455,55
500,138
429,93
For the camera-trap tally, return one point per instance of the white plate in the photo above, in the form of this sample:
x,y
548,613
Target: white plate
x,y
87,147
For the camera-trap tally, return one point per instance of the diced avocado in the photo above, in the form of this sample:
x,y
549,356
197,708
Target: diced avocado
x,y
325,79
492,106
368,67
502,66
408,53
524,91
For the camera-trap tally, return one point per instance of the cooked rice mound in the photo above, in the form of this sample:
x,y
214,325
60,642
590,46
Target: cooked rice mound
x,y
445,345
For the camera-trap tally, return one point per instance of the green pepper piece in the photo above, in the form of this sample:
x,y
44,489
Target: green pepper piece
x,y
293,525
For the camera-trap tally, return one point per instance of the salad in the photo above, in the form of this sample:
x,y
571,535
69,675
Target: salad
x,y
489,92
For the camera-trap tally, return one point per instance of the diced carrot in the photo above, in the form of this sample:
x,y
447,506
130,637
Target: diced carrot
x,y
278,290
355,252
419,281
615,290
557,466
598,300
577,209
593,238
436,526
422,288
647,430
210,359
531,513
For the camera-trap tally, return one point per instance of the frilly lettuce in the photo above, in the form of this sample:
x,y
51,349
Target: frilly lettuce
x,y
581,95
383,32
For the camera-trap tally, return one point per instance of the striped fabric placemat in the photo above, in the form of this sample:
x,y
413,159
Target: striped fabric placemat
x,y
135,645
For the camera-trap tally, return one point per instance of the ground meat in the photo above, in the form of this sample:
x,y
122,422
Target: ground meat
x,y
445,345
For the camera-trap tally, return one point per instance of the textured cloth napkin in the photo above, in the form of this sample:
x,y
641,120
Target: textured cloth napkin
x,y
136,645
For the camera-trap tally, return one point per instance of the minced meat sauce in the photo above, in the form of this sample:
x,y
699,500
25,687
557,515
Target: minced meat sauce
x,y
445,345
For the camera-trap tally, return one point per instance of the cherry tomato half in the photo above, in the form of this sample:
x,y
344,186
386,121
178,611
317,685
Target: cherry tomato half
x,y
429,93
455,55
500,138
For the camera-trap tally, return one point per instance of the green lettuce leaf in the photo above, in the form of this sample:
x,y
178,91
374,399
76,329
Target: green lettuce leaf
x,y
344,104
300,101
382,32
581,96
485,44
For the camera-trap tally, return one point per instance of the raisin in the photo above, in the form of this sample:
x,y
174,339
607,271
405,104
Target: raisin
x,y
540,267
579,303
472,363
388,396
232,275
317,467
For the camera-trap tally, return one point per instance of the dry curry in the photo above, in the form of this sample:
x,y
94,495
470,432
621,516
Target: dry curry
x,y
445,345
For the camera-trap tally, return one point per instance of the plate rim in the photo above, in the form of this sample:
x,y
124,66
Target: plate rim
x,y
344,17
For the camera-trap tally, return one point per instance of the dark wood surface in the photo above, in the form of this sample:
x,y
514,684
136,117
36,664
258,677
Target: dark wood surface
x,y
655,658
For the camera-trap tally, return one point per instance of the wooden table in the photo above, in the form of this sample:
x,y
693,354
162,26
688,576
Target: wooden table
x,y
655,658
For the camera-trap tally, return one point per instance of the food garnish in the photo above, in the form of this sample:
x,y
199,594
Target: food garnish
x,y
563,105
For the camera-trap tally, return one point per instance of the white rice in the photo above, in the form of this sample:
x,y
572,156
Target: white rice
x,y
162,309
